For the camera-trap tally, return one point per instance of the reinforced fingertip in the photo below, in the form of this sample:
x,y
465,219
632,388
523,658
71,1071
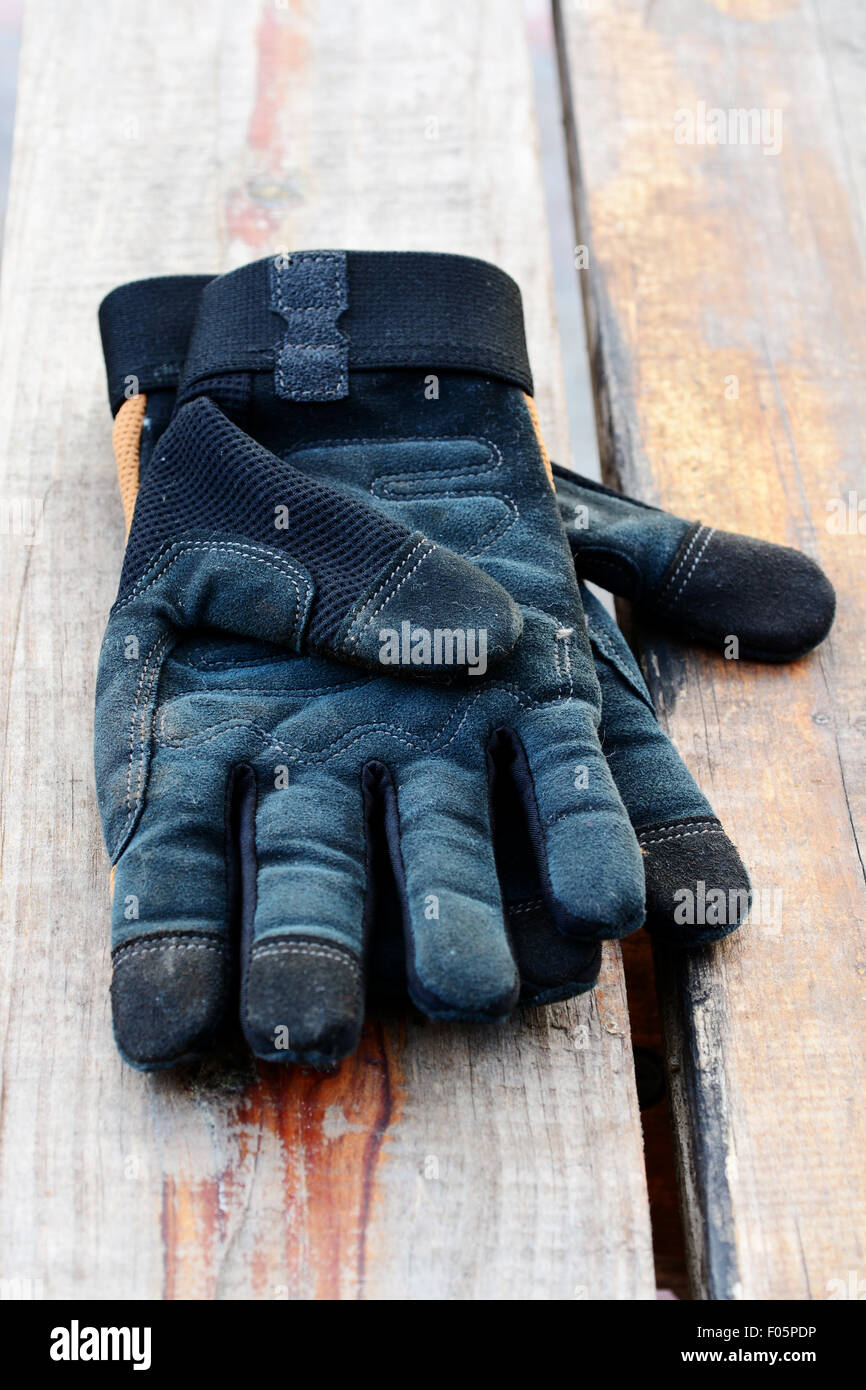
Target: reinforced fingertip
x,y
168,998
698,889
552,966
303,1001
776,602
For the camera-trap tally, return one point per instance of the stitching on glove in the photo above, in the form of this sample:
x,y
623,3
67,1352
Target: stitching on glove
x,y
124,953
161,564
472,470
285,378
150,672
300,755
439,741
695,563
314,347
352,636
603,641
681,835
647,837
302,693
562,639
531,905
400,735
682,561
562,815
302,948
299,948
153,663
388,483
635,680
489,444
379,485
494,533
678,823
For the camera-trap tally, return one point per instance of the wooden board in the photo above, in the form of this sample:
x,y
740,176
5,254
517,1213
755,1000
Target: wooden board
x,y
725,297
441,1162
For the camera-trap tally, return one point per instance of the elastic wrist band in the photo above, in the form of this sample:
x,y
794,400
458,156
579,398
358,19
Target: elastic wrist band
x,y
311,317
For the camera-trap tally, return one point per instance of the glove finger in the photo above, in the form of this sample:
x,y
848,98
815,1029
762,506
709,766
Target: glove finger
x,y
696,886
171,910
226,534
588,858
459,962
708,585
552,966
302,985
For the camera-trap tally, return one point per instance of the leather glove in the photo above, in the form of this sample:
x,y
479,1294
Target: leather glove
x,y
626,545
254,798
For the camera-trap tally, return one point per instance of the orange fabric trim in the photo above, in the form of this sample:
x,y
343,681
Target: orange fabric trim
x,y
111,877
126,438
536,425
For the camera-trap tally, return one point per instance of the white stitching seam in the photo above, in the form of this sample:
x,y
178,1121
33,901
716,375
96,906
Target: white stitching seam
x,y
142,698
683,560
379,485
695,563
353,636
335,261
680,835
635,679
298,754
680,824
302,948
533,905
126,953
408,439
437,743
161,563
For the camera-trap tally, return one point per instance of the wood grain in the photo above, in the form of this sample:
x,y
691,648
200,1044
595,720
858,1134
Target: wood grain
x,y
725,297
439,1162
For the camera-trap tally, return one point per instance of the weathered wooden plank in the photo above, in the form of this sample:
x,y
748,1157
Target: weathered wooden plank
x,y
440,1162
725,295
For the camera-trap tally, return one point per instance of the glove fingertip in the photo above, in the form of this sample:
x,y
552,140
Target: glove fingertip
x,y
168,998
303,1001
443,616
773,602
697,886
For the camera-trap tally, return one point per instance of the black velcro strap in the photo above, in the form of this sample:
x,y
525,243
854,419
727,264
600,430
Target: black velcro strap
x,y
145,328
311,316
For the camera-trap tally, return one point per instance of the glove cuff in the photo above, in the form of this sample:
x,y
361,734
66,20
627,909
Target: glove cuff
x,y
145,328
313,316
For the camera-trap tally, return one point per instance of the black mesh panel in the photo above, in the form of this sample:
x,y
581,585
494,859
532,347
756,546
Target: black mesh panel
x,y
207,476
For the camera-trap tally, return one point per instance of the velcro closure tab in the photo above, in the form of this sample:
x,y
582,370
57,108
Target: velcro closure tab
x,y
310,290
